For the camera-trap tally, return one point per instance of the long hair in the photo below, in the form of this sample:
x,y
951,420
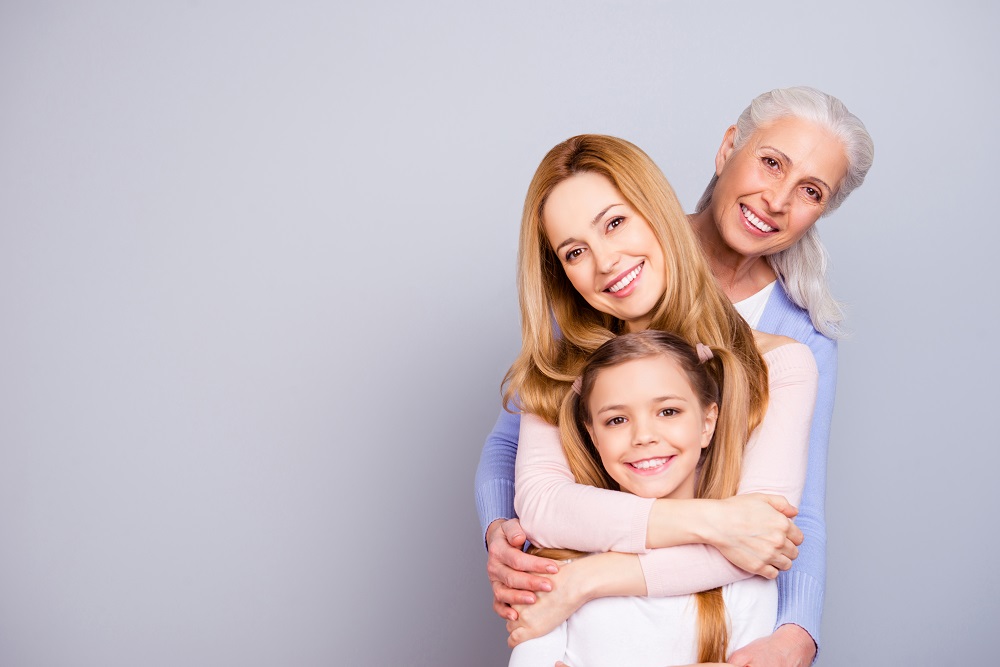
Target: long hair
x,y
692,305
721,461
801,268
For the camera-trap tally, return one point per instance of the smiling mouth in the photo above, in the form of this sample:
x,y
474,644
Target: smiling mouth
x,y
755,221
649,464
625,280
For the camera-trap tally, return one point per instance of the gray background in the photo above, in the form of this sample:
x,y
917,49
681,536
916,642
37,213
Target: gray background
x,y
257,295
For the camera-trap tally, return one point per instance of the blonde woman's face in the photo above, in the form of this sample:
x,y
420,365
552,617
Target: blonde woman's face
x,y
649,428
609,252
774,188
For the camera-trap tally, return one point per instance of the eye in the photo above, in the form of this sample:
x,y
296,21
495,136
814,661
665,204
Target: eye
x,y
615,421
813,193
614,222
573,254
770,162
668,412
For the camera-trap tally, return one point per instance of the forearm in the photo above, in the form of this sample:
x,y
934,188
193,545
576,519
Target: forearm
x,y
555,511
801,589
494,485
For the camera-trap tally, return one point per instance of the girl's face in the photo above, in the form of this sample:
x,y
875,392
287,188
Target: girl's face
x,y
609,252
649,427
774,188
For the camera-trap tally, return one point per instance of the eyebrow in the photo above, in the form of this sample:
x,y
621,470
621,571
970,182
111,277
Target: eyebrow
x,y
658,399
592,223
791,163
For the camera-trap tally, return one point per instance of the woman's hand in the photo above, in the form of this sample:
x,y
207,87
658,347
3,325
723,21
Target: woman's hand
x,y
755,532
788,646
510,569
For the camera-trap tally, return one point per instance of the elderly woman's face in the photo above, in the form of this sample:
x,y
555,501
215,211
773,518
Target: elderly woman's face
x,y
608,250
774,188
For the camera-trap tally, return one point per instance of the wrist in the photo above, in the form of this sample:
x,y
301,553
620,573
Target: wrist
x,y
799,641
675,522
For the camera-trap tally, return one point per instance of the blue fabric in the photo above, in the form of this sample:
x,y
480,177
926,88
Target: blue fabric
x,y
801,589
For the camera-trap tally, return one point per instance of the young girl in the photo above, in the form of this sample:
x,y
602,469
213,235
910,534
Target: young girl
x,y
644,417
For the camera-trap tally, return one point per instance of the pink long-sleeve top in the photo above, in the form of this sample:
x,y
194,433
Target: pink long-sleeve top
x,y
555,511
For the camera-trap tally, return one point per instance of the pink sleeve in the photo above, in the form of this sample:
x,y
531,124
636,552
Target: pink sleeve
x,y
774,462
555,511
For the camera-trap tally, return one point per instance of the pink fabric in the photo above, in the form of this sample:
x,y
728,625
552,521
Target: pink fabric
x,y
557,512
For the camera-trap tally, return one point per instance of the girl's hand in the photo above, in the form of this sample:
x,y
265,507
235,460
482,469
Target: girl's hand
x,y
550,609
510,569
755,533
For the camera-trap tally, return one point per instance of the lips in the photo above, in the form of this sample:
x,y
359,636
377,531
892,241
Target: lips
x,y
625,279
752,218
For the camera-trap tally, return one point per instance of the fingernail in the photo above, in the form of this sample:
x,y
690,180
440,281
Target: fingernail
x,y
552,569
546,586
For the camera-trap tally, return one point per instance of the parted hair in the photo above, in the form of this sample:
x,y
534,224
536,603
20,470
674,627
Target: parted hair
x,y
559,329
721,462
801,269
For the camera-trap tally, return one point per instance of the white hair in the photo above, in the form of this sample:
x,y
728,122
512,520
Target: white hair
x,y
801,268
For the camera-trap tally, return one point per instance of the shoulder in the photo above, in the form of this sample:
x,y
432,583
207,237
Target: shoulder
x,y
767,341
784,318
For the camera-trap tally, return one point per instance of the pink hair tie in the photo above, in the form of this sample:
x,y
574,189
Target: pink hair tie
x,y
704,352
577,385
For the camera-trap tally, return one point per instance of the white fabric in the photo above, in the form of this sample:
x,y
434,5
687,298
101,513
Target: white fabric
x,y
752,307
649,632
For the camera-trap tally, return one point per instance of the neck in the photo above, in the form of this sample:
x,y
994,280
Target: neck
x,y
738,276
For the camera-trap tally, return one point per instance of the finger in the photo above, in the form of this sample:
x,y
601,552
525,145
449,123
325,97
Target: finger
x,y
795,535
518,560
790,550
504,611
779,503
781,562
513,533
521,580
768,572
508,595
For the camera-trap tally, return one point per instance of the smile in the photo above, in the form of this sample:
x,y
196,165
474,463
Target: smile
x,y
650,464
755,221
625,280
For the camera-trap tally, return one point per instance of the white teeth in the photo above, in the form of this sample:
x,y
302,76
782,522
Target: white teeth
x,y
755,221
629,277
648,463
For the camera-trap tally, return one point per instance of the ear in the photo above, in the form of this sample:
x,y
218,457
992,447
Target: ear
x,y
725,150
590,432
711,417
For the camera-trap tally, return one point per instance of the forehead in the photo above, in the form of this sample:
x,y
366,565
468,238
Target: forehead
x,y
639,380
575,202
812,148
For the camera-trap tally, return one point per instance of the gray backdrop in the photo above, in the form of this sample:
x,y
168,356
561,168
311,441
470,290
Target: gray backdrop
x,y
257,296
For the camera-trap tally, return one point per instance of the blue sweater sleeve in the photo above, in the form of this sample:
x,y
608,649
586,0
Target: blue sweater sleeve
x,y
495,474
801,589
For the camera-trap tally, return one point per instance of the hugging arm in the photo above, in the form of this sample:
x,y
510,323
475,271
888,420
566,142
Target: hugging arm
x,y
557,512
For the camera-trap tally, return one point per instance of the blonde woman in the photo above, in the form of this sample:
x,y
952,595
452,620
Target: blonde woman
x,y
836,134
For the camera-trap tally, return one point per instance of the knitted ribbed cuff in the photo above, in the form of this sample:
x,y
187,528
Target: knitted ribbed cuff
x,y
494,500
800,601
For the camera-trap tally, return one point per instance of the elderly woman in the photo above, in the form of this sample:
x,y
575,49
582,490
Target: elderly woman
x,y
793,156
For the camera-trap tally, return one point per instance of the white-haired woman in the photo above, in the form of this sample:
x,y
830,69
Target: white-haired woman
x,y
793,156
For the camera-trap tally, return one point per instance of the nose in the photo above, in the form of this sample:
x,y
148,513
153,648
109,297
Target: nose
x,y
642,432
605,257
777,197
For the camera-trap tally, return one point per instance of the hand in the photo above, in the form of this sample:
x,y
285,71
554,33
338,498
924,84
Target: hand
x,y
755,533
789,646
550,609
509,568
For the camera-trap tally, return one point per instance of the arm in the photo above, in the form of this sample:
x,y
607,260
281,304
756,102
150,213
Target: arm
x,y
800,590
557,512
512,573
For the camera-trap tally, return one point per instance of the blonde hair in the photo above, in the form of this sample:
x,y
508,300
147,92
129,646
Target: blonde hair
x,y
692,305
721,462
